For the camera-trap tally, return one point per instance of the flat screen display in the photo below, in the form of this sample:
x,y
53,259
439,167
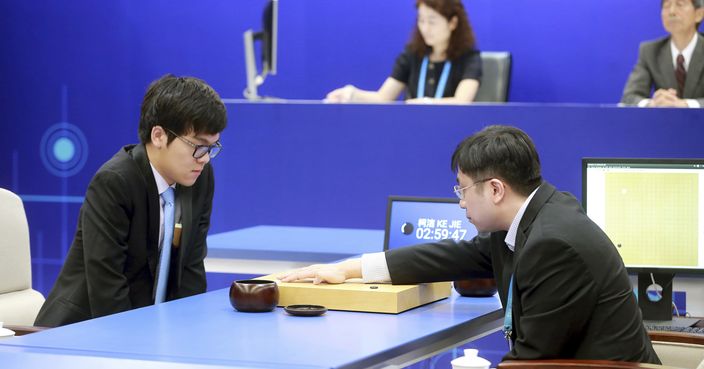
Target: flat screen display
x,y
415,220
650,208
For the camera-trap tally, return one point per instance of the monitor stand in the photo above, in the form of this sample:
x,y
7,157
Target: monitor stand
x,y
655,305
659,313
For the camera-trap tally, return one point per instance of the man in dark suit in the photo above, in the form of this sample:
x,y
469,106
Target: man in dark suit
x,y
569,292
672,66
135,244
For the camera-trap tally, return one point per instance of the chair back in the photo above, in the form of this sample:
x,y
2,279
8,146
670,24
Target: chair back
x,y
496,76
679,349
19,303
675,350
15,263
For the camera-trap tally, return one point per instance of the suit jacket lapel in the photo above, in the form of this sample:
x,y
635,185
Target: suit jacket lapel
x,y
544,192
694,72
139,153
667,69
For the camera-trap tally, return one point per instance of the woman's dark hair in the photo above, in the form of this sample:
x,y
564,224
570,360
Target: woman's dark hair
x,y
181,105
502,152
461,39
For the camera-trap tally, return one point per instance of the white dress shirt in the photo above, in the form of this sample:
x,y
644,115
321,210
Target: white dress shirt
x,y
161,186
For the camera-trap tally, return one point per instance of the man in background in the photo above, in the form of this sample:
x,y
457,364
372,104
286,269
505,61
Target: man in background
x,y
671,66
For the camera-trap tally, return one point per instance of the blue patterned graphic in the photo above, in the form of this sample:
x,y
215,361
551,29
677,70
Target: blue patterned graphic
x,y
63,149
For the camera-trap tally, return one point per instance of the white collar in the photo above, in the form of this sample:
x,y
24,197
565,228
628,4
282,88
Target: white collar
x,y
161,184
513,229
686,52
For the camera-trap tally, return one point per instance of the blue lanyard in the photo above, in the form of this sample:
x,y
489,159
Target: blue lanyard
x,y
508,317
441,84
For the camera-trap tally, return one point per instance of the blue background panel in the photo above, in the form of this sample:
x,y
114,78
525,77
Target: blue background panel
x,y
106,54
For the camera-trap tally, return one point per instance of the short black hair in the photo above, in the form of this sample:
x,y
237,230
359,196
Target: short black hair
x,y
502,152
182,105
696,3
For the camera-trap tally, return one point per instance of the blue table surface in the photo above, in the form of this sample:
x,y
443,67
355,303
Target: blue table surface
x,y
38,358
205,329
295,243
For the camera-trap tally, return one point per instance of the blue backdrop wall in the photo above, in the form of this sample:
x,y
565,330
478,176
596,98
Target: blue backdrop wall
x,y
107,52
73,73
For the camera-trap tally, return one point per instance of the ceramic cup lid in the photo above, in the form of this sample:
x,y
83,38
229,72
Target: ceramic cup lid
x,y
470,360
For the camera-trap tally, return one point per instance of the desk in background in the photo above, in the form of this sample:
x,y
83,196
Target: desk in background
x,y
205,330
334,165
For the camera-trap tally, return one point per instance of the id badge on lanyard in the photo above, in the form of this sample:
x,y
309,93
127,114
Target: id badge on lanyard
x,y
508,317
440,90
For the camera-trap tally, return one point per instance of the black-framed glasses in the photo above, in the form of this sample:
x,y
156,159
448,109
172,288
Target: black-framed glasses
x,y
199,151
459,191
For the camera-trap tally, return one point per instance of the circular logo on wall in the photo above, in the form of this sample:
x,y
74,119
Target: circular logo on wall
x,y
63,149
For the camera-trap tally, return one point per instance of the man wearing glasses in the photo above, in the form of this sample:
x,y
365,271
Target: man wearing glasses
x,y
671,67
561,281
143,224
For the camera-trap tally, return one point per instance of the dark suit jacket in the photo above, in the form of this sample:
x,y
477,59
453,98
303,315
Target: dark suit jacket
x,y
654,70
113,258
572,297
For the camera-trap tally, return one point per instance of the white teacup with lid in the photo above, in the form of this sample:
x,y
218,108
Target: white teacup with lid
x,y
470,360
4,332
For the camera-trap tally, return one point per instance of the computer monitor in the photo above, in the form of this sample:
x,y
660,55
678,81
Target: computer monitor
x,y
653,211
268,37
414,220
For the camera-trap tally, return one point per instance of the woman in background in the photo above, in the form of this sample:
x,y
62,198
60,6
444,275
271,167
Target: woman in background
x,y
440,64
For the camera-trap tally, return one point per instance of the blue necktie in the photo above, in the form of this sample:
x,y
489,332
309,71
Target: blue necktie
x,y
165,255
